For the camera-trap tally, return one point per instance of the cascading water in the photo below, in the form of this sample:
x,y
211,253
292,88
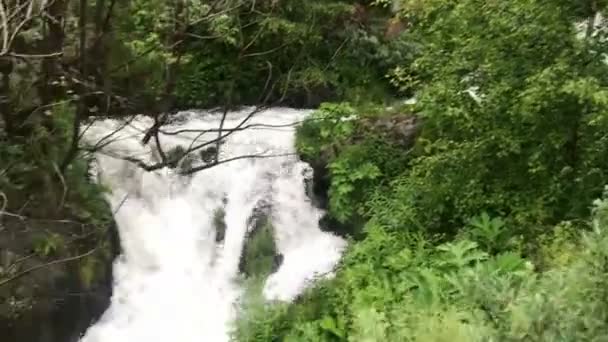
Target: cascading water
x,y
173,282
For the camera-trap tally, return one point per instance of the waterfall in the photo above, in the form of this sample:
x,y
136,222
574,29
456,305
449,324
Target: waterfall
x,y
173,281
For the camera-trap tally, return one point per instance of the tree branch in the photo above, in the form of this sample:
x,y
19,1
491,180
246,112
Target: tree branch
x,y
48,264
4,26
228,160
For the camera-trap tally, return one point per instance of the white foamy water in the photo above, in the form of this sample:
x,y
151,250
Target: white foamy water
x,y
173,282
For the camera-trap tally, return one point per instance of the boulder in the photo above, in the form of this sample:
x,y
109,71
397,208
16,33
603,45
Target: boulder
x,y
400,129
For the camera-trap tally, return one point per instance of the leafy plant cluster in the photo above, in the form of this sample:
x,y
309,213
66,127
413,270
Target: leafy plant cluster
x,y
61,214
31,171
410,287
357,157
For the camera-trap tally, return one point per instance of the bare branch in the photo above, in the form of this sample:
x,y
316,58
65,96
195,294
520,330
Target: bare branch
x,y
159,148
192,148
34,55
266,84
18,261
336,53
197,36
211,14
246,127
219,133
262,53
25,14
4,25
4,203
46,265
63,183
124,199
102,142
228,160
230,132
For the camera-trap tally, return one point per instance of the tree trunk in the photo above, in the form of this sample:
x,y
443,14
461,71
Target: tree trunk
x,y
81,109
53,43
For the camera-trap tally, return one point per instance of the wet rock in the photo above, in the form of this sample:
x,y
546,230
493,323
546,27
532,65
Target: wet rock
x,y
277,261
219,222
260,255
329,224
209,155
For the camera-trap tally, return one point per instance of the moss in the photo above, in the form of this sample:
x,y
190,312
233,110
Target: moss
x,y
260,254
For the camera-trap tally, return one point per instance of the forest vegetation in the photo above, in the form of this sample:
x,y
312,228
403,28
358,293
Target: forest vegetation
x,y
460,145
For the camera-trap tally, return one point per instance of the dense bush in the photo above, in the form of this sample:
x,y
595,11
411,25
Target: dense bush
x,y
30,172
484,231
399,288
308,51
359,157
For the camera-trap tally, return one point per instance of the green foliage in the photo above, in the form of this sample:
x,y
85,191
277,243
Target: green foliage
x,y
48,244
349,181
559,247
326,130
258,321
32,166
359,159
90,270
457,291
259,253
328,136
491,233
484,232
306,50
509,128
64,212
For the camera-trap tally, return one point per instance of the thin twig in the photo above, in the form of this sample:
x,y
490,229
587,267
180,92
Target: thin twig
x,y
65,186
4,23
120,204
26,56
4,200
262,53
228,160
18,261
246,127
48,264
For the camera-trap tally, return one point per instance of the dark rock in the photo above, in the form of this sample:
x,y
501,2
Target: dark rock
x,y
308,98
259,217
6,66
277,261
317,187
209,155
219,221
400,129
330,225
58,306
260,256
